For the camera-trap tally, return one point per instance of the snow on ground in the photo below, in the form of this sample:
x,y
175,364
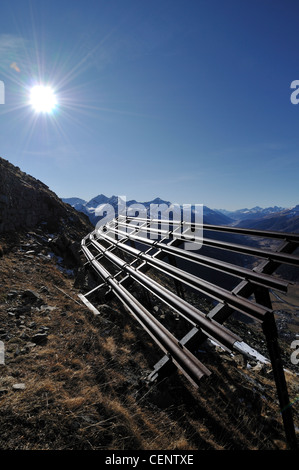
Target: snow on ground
x,y
241,346
244,348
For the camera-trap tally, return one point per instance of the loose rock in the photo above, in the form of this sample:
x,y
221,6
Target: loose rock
x,y
40,339
20,386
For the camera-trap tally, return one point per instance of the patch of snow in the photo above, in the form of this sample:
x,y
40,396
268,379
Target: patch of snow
x,y
245,349
241,346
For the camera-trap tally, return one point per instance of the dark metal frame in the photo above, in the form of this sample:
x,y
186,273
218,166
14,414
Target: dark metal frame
x,y
122,237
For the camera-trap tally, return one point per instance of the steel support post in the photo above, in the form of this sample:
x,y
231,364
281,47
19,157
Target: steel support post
x,y
270,331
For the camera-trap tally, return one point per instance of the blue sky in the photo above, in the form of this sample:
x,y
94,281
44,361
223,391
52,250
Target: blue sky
x,y
188,100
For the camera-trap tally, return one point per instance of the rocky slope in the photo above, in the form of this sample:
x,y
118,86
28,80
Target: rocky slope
x,y
26,202
70,380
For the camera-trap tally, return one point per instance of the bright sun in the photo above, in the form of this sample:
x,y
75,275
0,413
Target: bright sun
x,y
42,99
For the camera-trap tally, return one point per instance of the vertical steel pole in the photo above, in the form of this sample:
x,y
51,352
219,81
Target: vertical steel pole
x,y
270,331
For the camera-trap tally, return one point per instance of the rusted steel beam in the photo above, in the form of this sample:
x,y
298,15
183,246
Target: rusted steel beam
x,y
290,236
221,245
212,290
216,331
255,282
181,356
229,268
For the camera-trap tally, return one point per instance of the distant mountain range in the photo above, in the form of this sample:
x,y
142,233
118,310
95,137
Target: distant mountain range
x,y
270,218
254,213
286,220
92,208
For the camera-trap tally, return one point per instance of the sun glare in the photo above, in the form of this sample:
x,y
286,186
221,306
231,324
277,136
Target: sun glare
x,y
43,99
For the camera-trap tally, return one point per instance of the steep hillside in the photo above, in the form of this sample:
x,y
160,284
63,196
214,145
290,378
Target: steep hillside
x,y
74,381
26,203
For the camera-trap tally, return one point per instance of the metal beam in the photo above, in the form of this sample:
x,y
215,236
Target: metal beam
x,y
181,356
229,268
256,281
289,236
212,290
211,328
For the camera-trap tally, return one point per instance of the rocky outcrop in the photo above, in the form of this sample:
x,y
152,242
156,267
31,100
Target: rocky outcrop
x,y
29,207
26,202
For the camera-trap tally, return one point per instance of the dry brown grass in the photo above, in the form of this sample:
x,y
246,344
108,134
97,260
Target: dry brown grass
x,y
85,388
